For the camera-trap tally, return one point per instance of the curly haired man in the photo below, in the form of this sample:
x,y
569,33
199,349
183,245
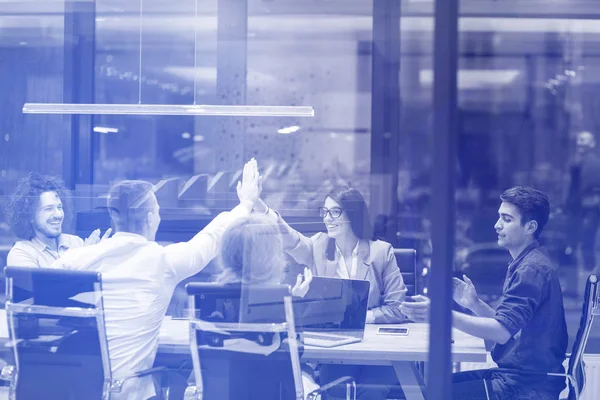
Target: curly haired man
x,y
35,214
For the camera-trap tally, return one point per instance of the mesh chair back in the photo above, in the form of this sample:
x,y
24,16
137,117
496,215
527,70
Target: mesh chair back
x,y
237,352
576,365
56,329
407,263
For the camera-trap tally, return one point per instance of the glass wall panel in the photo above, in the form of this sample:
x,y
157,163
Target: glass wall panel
x,y
527,86
366,71
31,69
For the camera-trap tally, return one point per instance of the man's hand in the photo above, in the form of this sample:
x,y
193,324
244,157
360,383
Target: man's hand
x,y
416,310
464,293
301,288
249,188
95,237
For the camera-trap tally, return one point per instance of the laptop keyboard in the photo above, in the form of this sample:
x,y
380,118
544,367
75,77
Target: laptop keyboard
x,y
316,336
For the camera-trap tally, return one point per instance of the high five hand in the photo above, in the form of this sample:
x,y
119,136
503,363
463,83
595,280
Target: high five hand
x,y
248,189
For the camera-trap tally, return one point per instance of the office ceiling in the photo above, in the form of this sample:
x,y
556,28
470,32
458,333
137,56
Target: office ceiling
x,y
509,8
491,31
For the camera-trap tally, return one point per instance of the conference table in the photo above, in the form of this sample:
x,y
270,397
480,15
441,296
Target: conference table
x,y
399,352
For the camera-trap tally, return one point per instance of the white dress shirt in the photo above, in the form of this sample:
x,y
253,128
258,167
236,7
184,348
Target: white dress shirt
x,y
138,279
342,269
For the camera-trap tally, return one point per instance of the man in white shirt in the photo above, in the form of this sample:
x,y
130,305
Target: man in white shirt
x,y
139,275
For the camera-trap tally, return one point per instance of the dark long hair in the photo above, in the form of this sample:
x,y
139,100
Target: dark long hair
x,y
355,207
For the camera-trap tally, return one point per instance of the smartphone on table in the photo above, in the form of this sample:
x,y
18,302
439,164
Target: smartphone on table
x,y
392,331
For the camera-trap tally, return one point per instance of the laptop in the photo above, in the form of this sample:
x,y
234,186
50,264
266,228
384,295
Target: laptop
x,y
333,312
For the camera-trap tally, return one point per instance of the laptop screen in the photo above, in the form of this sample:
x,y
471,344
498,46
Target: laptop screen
x,y
333,305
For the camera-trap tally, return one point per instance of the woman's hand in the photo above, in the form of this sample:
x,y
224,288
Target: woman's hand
x,y
301,288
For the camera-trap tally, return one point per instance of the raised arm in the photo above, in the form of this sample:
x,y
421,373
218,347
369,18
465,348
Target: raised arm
x,y
189,258
298,246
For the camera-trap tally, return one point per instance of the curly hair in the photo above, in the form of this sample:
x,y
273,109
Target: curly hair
x,y
23,204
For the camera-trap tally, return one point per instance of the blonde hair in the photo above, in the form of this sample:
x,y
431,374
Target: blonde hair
x,y
252,251
129,203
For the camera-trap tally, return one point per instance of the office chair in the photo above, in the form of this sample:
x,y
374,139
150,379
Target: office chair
x,y
486,265
58,337
407,263
576,370
244,344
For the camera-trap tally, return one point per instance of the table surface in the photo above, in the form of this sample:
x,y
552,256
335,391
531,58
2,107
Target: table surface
x,y
174,339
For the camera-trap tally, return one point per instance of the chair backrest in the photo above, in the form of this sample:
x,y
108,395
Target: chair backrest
x,y
485,264
590,308
238,356
407,263
56,329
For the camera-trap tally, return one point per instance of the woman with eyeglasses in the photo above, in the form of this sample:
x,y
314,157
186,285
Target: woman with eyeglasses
x,y
347,251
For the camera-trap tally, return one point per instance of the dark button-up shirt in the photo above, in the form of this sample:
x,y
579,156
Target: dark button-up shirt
x,y
532,311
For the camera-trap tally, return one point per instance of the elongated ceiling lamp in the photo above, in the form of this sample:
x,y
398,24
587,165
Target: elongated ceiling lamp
x,y
169,109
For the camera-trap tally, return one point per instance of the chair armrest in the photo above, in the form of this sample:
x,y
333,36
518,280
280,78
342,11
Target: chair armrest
x,y
348,380
521,372
117,385
192,393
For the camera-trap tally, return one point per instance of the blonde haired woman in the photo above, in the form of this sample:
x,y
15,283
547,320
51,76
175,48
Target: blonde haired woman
x,y
252,253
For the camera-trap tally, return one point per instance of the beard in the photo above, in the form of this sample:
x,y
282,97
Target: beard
x,y
48,231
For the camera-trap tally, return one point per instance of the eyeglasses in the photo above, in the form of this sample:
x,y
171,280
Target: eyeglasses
x,y
335,212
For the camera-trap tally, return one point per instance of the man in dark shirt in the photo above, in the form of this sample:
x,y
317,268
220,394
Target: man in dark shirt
x,y
528,326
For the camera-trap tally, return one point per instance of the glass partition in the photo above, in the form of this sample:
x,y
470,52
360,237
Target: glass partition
x,y
526,89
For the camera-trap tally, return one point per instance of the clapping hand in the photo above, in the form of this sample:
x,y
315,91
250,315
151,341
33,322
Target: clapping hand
x,y
464,293
249,188
301,287
95,237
